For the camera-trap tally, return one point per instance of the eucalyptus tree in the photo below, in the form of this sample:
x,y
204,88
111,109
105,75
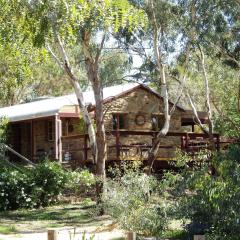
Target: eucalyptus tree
x,y
214,35
17,55
160,49
217,27
60,24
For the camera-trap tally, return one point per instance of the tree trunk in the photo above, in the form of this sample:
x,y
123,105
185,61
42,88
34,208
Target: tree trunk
x,y
66,66
87,120
100,134
91,64
162,78
208,105
156,143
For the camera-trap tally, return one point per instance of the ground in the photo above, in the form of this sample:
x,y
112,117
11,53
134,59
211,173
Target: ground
x,y
70,220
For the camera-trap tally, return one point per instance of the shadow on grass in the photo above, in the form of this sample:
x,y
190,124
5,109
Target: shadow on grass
x,y
55,216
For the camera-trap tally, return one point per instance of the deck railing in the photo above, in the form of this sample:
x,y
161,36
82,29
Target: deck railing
x,y
188,142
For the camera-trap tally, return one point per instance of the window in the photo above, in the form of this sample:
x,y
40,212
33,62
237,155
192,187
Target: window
x,y
157,122
67,127
50,131
119,121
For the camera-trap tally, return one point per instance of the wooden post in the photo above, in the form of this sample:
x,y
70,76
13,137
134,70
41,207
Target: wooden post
x,y
193,127
182,143
32,140
117,144
117,139
52,234
56,136
131,236
199,237
60,140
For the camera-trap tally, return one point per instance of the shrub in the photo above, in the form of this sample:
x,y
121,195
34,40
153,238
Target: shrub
x,y
80,182
48,181
36,187
134,201
14,190
212,202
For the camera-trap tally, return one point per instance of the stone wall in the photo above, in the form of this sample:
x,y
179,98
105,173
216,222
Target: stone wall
x,y
42,145
144,103
138,102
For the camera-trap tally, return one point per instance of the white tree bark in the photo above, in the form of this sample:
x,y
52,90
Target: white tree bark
x,y
91,64
65,65
164,91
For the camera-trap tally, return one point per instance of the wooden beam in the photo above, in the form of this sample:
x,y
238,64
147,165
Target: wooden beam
x,y
59,122
193,127
69,115
19,155
32,140
118,138
56,137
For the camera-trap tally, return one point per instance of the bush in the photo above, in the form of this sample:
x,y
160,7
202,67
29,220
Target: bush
x,y
48,180
36,187
14,190
134,201
81,182
212,202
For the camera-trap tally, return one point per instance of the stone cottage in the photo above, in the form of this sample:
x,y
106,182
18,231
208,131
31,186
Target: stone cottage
x,y
54,128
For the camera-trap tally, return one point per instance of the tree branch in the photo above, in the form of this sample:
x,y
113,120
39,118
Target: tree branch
x,y
57,60
196,113
100,49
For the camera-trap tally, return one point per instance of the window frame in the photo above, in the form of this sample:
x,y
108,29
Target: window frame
x,y
160,121
118,115
50,127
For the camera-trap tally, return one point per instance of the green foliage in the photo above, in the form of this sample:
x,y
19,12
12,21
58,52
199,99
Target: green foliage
x,y
3,135
14,190
211,202
134,201
3,130
71,18
32,188
80,182
41,186
48,179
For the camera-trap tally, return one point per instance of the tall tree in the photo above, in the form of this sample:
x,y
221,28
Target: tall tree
x,y
58,24
157,46
18,57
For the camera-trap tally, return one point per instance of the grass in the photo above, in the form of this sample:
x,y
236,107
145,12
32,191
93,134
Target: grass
x,y
176,234
8,229
77,215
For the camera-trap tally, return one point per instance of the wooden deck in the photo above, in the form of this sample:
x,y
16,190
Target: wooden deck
x,y
191,143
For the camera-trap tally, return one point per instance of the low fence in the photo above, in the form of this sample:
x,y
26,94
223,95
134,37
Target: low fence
x,y
75,235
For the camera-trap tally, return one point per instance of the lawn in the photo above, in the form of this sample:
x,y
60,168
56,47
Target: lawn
x,y
65,216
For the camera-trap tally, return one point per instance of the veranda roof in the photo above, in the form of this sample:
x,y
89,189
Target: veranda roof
x,y
51,106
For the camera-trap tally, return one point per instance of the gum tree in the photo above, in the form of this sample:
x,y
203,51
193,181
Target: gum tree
x,y
57,24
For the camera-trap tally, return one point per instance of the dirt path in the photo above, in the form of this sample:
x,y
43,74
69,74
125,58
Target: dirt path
x,y
71,221
67,234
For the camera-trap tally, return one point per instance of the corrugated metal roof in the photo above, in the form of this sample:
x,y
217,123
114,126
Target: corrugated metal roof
x,y
50,107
